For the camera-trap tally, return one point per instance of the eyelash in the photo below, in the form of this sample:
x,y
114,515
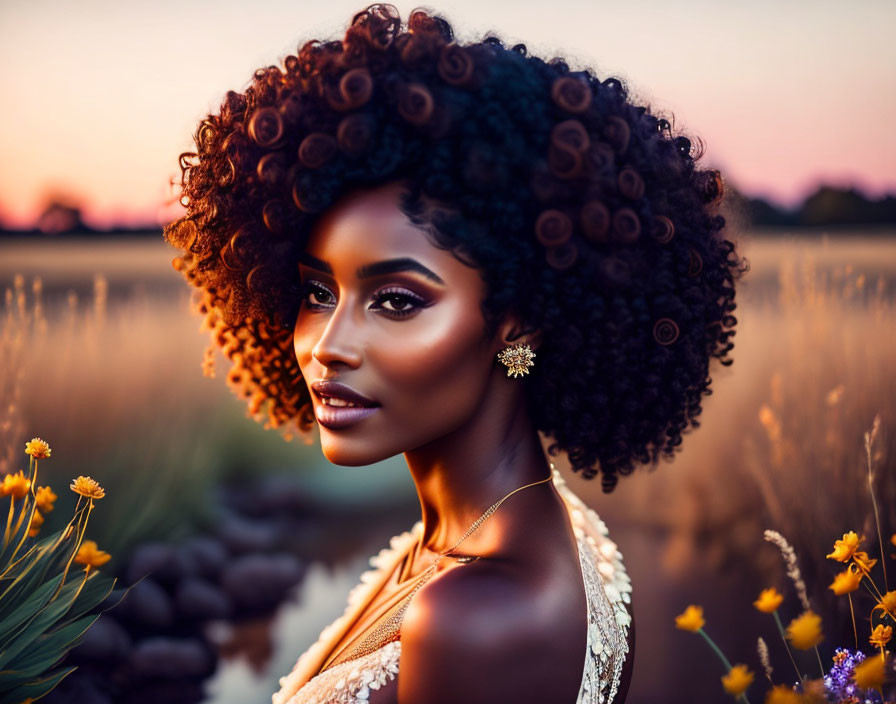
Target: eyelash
x,y
402,294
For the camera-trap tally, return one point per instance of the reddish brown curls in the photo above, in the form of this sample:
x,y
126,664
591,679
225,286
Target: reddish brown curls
x,y
542,182
266,127
355,132
665,331
570,134
662,228
274,217
415,49
595,219
630,183
455,65
416,104
553,227
626,226
561,256
564,163
571,93
601,156
617,133
695,262
317,149
271,168
355,89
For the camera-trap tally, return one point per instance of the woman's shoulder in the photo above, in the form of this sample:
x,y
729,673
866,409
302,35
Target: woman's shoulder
x,y
512,638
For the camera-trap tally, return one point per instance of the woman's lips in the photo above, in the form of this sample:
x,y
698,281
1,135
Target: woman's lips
x,y
337,417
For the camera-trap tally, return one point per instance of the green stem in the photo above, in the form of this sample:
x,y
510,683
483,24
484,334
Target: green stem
x,y
820,666
883,561
7,536
78,539
722,658
784,638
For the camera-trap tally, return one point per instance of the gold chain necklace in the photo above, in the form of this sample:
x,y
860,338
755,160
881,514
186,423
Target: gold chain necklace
x,y
389,629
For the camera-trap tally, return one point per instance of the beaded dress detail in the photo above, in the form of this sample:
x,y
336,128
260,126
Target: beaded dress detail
x,y
607,590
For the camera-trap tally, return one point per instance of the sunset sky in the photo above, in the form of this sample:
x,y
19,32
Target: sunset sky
x,y
100,97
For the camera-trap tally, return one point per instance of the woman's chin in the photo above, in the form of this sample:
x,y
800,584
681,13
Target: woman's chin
x,y
347,452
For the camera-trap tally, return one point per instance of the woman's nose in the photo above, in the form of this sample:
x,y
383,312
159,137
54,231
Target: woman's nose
x,y
340,340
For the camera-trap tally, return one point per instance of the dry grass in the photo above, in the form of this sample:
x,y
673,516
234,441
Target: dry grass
x,y
118,392
116,387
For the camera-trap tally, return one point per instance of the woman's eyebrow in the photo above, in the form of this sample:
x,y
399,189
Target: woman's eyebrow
x,y
387,266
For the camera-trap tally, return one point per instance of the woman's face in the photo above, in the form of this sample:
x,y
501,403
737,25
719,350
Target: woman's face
x,y
397,320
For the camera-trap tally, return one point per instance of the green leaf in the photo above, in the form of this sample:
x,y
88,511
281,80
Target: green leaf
x,y
35,688
40,623
28,609
50,647
98,587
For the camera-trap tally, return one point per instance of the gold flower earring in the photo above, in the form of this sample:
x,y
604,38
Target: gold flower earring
x,y
518,359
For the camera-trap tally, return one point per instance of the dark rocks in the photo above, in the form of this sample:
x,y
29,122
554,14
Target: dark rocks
x,y
105,641
172,658
207,555
198,600
148,605
257,582
167,564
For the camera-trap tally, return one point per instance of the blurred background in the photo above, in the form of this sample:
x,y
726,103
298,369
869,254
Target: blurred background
x,y
101,355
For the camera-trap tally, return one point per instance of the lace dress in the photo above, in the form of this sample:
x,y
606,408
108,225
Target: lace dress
x,y
607,590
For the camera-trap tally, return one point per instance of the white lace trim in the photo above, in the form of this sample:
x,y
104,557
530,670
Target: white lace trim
x,y
607,589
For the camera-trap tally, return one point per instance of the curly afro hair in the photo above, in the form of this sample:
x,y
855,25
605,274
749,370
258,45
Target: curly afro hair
x,y
584,213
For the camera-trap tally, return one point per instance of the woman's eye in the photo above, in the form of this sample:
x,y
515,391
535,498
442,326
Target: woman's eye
x,y
398,303
312,289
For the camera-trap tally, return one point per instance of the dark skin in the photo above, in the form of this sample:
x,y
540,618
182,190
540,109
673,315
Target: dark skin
x,y
510,626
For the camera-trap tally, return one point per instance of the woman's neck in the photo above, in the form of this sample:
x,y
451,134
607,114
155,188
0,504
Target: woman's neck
x,y
462,474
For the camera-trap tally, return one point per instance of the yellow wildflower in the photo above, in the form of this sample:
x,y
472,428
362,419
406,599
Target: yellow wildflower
x,y
85,486
846,582
769,600
887,604
37,448
844,548
691,619
863,562
15,485
893,540
45,497
782,694
737,680
881,635
869,674
90,556
37,520
804,631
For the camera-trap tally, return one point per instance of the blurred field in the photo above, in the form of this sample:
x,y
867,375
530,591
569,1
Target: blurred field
x,y
102,358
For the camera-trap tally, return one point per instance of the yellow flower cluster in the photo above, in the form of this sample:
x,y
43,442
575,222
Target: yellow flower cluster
x,y
85,486
691,619
737,680
870,673
769,600
37,448
18,486
804,631
89,555
846,549
15,485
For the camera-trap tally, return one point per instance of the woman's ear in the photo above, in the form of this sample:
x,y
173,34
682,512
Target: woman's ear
x,y
514,331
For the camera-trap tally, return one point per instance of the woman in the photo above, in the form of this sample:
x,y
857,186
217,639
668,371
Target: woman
x,y
442,250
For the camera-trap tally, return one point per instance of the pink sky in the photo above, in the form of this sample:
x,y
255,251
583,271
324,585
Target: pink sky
x,y
100,97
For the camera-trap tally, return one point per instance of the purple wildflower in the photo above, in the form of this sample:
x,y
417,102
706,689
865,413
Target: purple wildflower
x,y
838,682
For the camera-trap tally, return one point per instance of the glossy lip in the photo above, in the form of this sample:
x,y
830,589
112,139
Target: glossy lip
x,y
335,389
335,418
